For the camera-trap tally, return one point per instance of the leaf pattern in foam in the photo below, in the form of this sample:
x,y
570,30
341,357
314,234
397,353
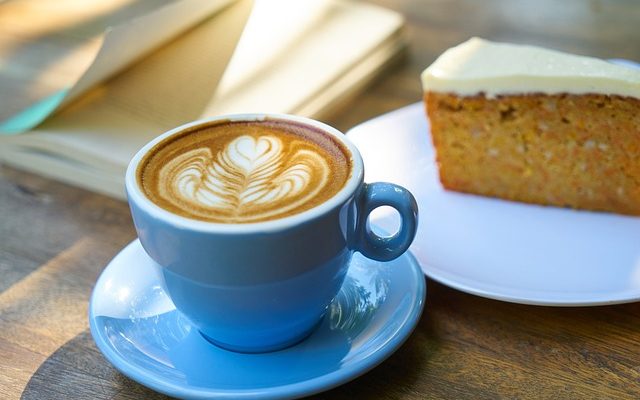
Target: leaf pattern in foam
x,y
248,174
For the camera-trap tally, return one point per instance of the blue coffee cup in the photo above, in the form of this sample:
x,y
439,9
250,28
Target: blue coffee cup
x,y
263,286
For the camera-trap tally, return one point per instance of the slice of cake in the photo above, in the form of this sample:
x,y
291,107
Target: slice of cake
x,y
535,125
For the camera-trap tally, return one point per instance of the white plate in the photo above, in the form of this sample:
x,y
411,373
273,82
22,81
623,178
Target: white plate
x,y
500,249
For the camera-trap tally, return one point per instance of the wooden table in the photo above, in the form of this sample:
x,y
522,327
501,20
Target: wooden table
x,y
56,239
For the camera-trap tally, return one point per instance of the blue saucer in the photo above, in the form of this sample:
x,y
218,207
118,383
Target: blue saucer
x,y
138,329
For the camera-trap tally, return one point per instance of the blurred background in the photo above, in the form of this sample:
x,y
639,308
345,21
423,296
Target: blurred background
x,y
598,28
339,60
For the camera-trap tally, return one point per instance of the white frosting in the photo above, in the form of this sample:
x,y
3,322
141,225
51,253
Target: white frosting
x,y
478,65
244,177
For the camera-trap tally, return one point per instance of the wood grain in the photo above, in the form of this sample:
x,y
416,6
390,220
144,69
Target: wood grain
x,y
56,239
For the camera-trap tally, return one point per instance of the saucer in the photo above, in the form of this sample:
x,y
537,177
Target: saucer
x,y
138,329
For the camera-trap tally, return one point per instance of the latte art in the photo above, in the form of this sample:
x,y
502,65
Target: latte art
x,y
244,171
247,174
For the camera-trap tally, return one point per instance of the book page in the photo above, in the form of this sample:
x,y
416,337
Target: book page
x,y
342,34
273,27
53,51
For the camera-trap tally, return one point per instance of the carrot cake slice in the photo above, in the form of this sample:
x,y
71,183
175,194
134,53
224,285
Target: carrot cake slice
x,y
536,125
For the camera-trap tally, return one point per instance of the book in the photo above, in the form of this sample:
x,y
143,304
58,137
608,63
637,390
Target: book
x,y
52,53
291,57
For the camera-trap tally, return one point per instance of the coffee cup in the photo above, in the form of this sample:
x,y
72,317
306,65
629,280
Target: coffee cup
x,y
253,219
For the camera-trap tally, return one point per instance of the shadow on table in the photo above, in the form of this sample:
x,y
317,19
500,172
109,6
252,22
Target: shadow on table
x,y
77,370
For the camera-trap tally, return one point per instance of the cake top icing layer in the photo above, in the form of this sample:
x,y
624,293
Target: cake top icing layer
x,y
479,65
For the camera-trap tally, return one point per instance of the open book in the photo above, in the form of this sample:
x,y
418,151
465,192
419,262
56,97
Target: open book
x,y
219,57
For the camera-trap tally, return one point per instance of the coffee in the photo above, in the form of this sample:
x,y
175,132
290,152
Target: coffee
x,y
241,172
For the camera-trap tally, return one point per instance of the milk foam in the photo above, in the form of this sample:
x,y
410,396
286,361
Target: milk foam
x,y
250,178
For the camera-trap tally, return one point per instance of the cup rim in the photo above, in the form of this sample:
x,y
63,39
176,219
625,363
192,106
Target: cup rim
x,y
135,194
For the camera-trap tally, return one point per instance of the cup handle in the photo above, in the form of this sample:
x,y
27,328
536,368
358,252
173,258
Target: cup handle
x,y
372,196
